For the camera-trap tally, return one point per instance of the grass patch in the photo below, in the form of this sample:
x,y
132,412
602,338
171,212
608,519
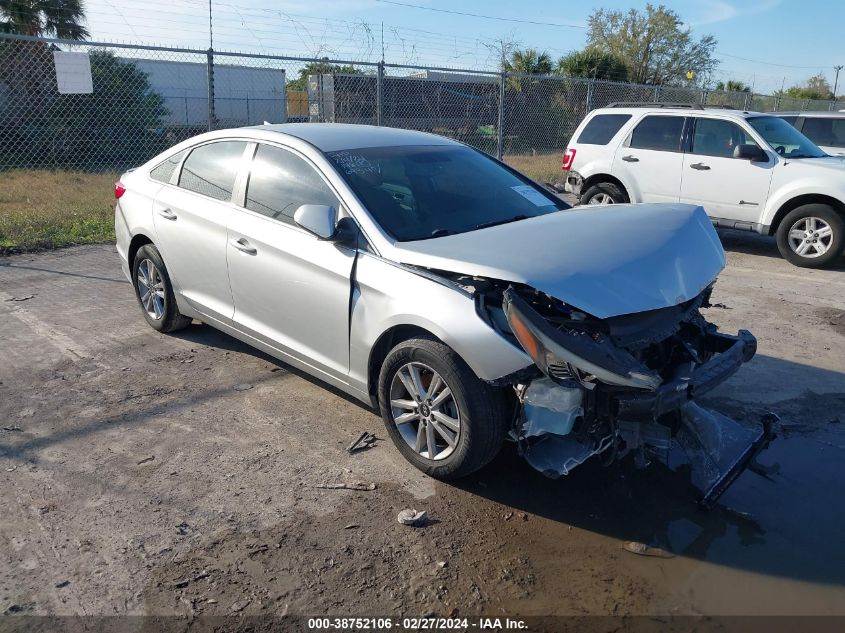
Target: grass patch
x,y
48,209
542,167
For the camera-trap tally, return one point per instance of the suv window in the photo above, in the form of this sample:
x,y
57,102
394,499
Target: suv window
x,y
658,132
822,131
211,169
714,137
790,118
280,182
601,128
163,172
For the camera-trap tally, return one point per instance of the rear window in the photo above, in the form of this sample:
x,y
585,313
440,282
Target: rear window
x,y
164,171
658,132
211,169
602,128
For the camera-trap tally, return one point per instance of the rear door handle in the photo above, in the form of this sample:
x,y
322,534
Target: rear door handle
x,y
243,245
700,166
630,159
167,214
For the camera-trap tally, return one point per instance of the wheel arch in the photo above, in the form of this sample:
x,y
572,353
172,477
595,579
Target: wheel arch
x,y
605,177
799,201
389,339
135,244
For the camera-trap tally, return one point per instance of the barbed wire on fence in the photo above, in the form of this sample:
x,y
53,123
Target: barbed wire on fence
x,y
143,99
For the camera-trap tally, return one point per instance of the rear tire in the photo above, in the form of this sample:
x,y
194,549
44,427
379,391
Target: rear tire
x,y
811,236
154,291
476,413
603,193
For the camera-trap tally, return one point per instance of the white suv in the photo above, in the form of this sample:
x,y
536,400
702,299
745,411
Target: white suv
x,y
748,170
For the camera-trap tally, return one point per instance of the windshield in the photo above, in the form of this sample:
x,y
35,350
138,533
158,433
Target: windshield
x,y
785,139
423,191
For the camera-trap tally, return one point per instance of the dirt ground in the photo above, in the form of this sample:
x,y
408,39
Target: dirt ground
x,y
139,476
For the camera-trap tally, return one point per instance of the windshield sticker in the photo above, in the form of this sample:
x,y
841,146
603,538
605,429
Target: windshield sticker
x,y
354,164
532,195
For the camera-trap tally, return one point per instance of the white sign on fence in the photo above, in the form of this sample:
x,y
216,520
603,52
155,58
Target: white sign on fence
x,y
73,73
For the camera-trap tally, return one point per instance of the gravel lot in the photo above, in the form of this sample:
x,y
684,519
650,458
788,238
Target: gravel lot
x,y
135,478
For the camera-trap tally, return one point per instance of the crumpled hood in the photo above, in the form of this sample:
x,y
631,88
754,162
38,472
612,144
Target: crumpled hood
x,y
606,261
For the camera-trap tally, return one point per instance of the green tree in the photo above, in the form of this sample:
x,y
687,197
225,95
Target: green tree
x,y
653,44
529,61
593,63
816,87
319,68
732,85
50,18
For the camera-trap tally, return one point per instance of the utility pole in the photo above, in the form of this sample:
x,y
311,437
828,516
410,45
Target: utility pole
x,y
836,81
210,68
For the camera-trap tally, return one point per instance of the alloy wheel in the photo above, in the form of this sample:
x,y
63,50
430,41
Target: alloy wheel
x,y
424,410
600,198
151,289
810,237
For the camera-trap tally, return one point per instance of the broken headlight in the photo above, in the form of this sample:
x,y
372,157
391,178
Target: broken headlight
x,y
591,353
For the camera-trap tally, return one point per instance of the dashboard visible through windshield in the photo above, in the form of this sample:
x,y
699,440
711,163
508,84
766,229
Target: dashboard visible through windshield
x,y
425,191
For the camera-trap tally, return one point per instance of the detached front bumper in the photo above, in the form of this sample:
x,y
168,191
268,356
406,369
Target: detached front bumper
x,y
731,352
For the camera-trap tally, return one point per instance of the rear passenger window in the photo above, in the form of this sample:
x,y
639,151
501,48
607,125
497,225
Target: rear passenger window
x,y
602,128
658,132
822,131
280,182
714,137
164,171
211,169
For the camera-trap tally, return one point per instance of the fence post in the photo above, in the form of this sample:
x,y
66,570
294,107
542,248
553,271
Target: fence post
x,y
379,92
500,125
749,99
657,94
210,67
590,87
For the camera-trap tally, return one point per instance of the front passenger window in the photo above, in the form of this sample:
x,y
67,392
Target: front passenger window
x,y
280,182
714,137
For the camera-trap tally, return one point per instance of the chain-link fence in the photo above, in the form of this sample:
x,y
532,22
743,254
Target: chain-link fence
x,y
116,105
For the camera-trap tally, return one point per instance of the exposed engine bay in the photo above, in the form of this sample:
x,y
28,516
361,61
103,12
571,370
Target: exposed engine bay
x,y
610,387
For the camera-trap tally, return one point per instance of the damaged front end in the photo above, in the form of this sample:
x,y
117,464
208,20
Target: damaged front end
x,y
608,387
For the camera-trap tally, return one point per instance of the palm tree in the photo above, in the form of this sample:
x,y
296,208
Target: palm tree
x,y
732,85
44,18
530,62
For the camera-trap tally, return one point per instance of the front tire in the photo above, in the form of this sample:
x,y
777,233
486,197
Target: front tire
x,y
439,414
154,291
603,193
811,236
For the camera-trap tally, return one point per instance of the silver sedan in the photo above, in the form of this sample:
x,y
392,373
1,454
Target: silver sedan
x,y
422,276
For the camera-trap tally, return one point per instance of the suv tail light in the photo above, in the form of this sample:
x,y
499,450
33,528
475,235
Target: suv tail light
x,y
568,157
119,189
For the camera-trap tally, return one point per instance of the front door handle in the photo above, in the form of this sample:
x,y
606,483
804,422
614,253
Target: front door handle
x,y
630,159
167,214
700,166
243,245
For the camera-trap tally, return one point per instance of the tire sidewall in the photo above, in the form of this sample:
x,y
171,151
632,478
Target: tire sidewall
x,y
401,355
148,251
826,213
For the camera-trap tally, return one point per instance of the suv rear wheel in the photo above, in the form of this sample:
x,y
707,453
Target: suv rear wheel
x,y
811,236
604,193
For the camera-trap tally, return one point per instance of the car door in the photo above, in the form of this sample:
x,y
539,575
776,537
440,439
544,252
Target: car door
x,y
291,290
728,188
190,217
650,159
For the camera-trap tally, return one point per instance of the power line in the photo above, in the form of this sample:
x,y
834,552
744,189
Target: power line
x,y
485,17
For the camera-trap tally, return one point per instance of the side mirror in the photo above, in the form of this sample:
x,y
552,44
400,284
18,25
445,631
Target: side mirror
x,y
750,152
317,219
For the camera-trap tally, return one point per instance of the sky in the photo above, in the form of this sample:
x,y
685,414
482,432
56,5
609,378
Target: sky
x,y
763,43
